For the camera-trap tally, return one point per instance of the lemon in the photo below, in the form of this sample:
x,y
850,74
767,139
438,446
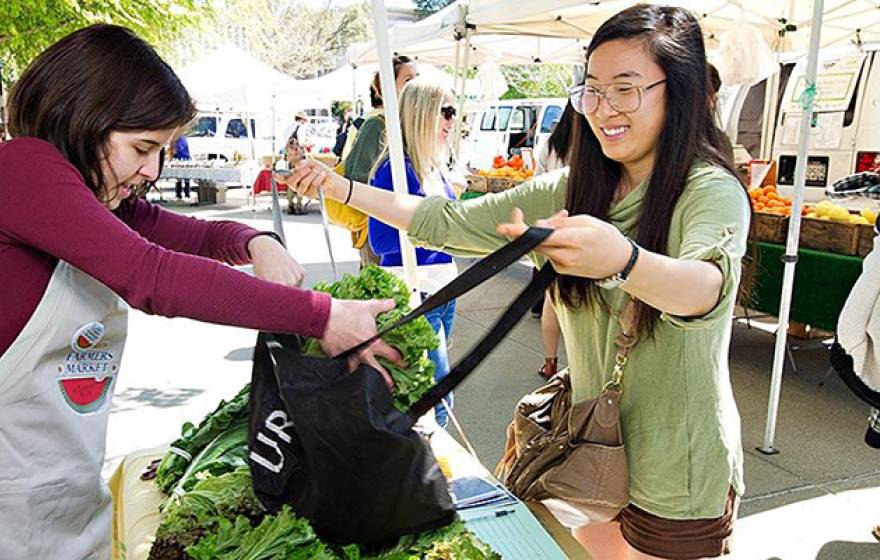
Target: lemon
x,y
812,215
824,208
858,220
870,215
839,213
826,218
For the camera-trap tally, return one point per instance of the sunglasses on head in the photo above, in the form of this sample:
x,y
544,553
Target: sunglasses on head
x,y
448,112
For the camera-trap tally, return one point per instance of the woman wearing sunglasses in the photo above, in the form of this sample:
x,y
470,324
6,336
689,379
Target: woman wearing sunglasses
x,y
427,115
650,210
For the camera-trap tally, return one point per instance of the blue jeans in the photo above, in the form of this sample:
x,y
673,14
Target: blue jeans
x,y
441,320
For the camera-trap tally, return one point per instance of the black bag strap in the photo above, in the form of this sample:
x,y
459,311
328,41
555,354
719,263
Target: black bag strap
x,y
496,334
466,281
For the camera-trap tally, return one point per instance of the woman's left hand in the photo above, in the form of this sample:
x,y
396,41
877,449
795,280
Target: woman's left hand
x,y
272,262
580,245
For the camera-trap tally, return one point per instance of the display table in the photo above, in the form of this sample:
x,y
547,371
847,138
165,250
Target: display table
x,y
822,283
207,178
136,517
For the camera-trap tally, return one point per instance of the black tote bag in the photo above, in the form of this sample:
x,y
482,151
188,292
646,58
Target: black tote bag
x,y
331,444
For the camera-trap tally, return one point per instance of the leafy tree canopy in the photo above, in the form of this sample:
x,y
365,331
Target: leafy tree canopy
x,y
27,27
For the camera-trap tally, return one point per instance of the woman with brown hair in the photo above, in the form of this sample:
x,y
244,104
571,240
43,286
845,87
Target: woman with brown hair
x,y
651,213
90,118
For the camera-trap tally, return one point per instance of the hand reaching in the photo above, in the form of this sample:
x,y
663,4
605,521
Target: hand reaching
x,y
272,262
351,322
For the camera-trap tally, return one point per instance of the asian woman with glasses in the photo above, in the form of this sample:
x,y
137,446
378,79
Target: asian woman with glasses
x,y
651,211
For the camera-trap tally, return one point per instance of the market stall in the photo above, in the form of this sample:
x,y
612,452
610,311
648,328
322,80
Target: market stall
x,y
210,181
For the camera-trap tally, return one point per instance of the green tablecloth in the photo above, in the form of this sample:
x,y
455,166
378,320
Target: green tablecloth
x,y
822,283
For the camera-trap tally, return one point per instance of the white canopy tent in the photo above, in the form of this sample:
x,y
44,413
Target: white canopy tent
x,y
228,78
786,25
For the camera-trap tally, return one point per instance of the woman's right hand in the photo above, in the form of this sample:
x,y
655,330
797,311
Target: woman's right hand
x,y
353,321
311,175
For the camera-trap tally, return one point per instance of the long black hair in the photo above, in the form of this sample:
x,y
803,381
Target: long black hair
x,y
560,139
673,38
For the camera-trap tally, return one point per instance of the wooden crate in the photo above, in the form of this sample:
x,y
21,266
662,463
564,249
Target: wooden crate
x,y
477,183
768,227
831,236
498,184
866,239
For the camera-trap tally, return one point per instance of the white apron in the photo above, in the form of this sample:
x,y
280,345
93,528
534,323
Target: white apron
x,y
56,383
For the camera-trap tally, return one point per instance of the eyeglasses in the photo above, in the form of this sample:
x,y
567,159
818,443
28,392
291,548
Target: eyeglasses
x,y
448,112
621,97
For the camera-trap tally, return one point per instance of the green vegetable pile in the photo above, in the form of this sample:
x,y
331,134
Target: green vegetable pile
x,y
412,340
212,512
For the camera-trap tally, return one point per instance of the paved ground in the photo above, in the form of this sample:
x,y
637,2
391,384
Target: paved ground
x,y
818,498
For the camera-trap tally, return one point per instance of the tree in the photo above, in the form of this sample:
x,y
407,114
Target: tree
x,y
537,80
425,8
27,27
298,38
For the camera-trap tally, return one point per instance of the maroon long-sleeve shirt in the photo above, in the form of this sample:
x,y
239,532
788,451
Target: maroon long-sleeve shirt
x,y
157,261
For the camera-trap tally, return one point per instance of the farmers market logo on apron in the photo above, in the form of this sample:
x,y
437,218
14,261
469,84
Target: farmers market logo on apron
x,y
88,371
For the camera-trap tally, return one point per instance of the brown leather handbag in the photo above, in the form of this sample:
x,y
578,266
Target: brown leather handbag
x,y
572,453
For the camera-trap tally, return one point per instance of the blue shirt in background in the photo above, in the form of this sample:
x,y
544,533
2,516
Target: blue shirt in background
x,y
384,239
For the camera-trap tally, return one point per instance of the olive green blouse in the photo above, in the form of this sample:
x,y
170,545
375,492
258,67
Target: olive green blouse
x,y
680,423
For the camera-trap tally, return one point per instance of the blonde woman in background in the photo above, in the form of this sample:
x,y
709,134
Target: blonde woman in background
x,y
427,113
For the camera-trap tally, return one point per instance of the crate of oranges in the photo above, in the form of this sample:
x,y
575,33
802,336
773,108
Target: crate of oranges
x,y
506,173
770,216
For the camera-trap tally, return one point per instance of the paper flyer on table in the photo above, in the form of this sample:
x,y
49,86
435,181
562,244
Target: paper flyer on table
x,y
513,532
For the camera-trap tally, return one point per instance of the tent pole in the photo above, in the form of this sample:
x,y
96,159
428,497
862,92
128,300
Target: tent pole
x,y
794,227
771,99
456,74
353,89
395,139
461,96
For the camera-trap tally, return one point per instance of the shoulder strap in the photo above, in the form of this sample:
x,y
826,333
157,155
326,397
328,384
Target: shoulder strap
x,y
496,334
466,281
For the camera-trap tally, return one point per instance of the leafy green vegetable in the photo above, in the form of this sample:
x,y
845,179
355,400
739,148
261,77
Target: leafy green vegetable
x,y
227,452
412,340
453,542
281,536
193,439
197,512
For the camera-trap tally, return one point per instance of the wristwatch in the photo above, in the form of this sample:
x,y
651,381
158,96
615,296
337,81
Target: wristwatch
x,y
621,277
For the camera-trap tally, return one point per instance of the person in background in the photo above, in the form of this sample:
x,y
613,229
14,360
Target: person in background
x,y
651,217
427,113
297,128
180,150
369,144
553,155
345,124
78,247
293,154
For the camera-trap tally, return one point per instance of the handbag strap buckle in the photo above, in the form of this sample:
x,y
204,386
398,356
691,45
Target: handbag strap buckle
x,y
616,381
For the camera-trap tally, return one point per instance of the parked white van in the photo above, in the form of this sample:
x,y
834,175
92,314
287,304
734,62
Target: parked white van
x,y
507,126
223,135
846,124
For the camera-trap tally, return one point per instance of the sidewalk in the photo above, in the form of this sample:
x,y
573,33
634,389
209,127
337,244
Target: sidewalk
x,y
818,498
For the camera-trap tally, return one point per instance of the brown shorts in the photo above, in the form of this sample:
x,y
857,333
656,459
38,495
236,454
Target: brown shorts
x,y
677,539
